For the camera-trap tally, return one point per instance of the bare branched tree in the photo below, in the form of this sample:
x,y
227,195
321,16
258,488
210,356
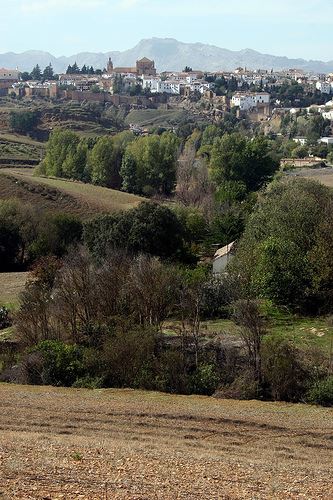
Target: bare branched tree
x,y
252,330
194,187
152,290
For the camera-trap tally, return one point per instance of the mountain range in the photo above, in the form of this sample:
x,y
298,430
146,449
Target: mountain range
x,y
168,54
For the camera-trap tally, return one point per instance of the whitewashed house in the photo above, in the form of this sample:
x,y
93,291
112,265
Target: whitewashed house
x,y
222,258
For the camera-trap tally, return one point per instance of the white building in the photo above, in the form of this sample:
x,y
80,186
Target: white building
x,y
301,140
325,140
324,87
222,258
169,87
246,101
151,83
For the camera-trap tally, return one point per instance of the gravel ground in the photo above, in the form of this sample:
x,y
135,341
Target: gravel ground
x,y
124,444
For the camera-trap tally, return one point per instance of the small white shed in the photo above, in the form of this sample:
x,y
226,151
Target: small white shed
x,y
222,258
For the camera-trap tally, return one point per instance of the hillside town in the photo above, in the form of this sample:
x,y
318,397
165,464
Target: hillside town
x,y
245,90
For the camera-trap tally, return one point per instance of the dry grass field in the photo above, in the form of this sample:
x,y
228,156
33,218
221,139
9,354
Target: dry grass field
x,y
63,195
11,284
325,175
124,444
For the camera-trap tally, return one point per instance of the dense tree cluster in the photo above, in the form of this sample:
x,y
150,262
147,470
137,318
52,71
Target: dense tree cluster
x,y
145,165
23,121
38,75
85,70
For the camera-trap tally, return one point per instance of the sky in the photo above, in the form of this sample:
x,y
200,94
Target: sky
x,y
295,28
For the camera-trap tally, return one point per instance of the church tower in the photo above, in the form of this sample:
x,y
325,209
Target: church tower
x,y
110,66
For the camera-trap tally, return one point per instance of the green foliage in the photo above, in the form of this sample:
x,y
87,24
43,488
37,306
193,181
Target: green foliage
x,y
321,392
56,234
10,244
205,380
62,363
150,162
281,272
150,228
286,239
23,121
88,382
106,158
126,354
36,73
60,153
238,159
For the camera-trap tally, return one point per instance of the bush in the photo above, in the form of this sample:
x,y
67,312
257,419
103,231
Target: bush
x,y
321,392
62,363
204,380
243,387
88,382
125,354
5,320
171,373
23,121
283,369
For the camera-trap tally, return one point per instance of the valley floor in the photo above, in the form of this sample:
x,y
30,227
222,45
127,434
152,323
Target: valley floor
x,y
112,444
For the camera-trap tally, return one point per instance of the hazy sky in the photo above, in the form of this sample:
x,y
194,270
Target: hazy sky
x,y
296,28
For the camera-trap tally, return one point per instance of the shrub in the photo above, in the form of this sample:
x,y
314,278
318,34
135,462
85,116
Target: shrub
x,y
172,375
62,363
204,380
321,392
283,369
88,382
124,355
243,387
5,320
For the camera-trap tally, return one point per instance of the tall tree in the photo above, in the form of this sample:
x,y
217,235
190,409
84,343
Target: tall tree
x,y
48,73
36,73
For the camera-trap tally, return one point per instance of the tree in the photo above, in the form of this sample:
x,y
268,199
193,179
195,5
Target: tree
x,y
61,145
36,73
18,229
149,164
48,73
238,159
152,288
75,163
10,244
25,76
284,250
149,228
24,121
252,330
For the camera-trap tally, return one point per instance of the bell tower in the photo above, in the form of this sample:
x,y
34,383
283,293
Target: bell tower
x,y
110,66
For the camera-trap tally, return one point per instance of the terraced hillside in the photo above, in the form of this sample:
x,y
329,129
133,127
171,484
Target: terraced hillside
x,y
19,151
62,195
125,444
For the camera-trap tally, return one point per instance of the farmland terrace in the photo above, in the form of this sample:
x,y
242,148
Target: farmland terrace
x,y
112,444
62,195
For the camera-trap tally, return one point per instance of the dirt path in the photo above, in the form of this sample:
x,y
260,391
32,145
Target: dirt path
x,y
110,444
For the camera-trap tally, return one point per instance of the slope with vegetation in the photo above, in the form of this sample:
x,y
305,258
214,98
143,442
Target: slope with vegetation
x,y
123,299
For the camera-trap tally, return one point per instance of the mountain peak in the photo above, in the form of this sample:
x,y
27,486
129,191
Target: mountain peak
x,y
168,54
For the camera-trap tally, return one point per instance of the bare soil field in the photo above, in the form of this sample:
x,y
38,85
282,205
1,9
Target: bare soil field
x,y
62,194
125,444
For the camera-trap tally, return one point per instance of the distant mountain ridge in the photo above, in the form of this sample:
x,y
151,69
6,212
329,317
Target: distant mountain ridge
x,y
169,54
